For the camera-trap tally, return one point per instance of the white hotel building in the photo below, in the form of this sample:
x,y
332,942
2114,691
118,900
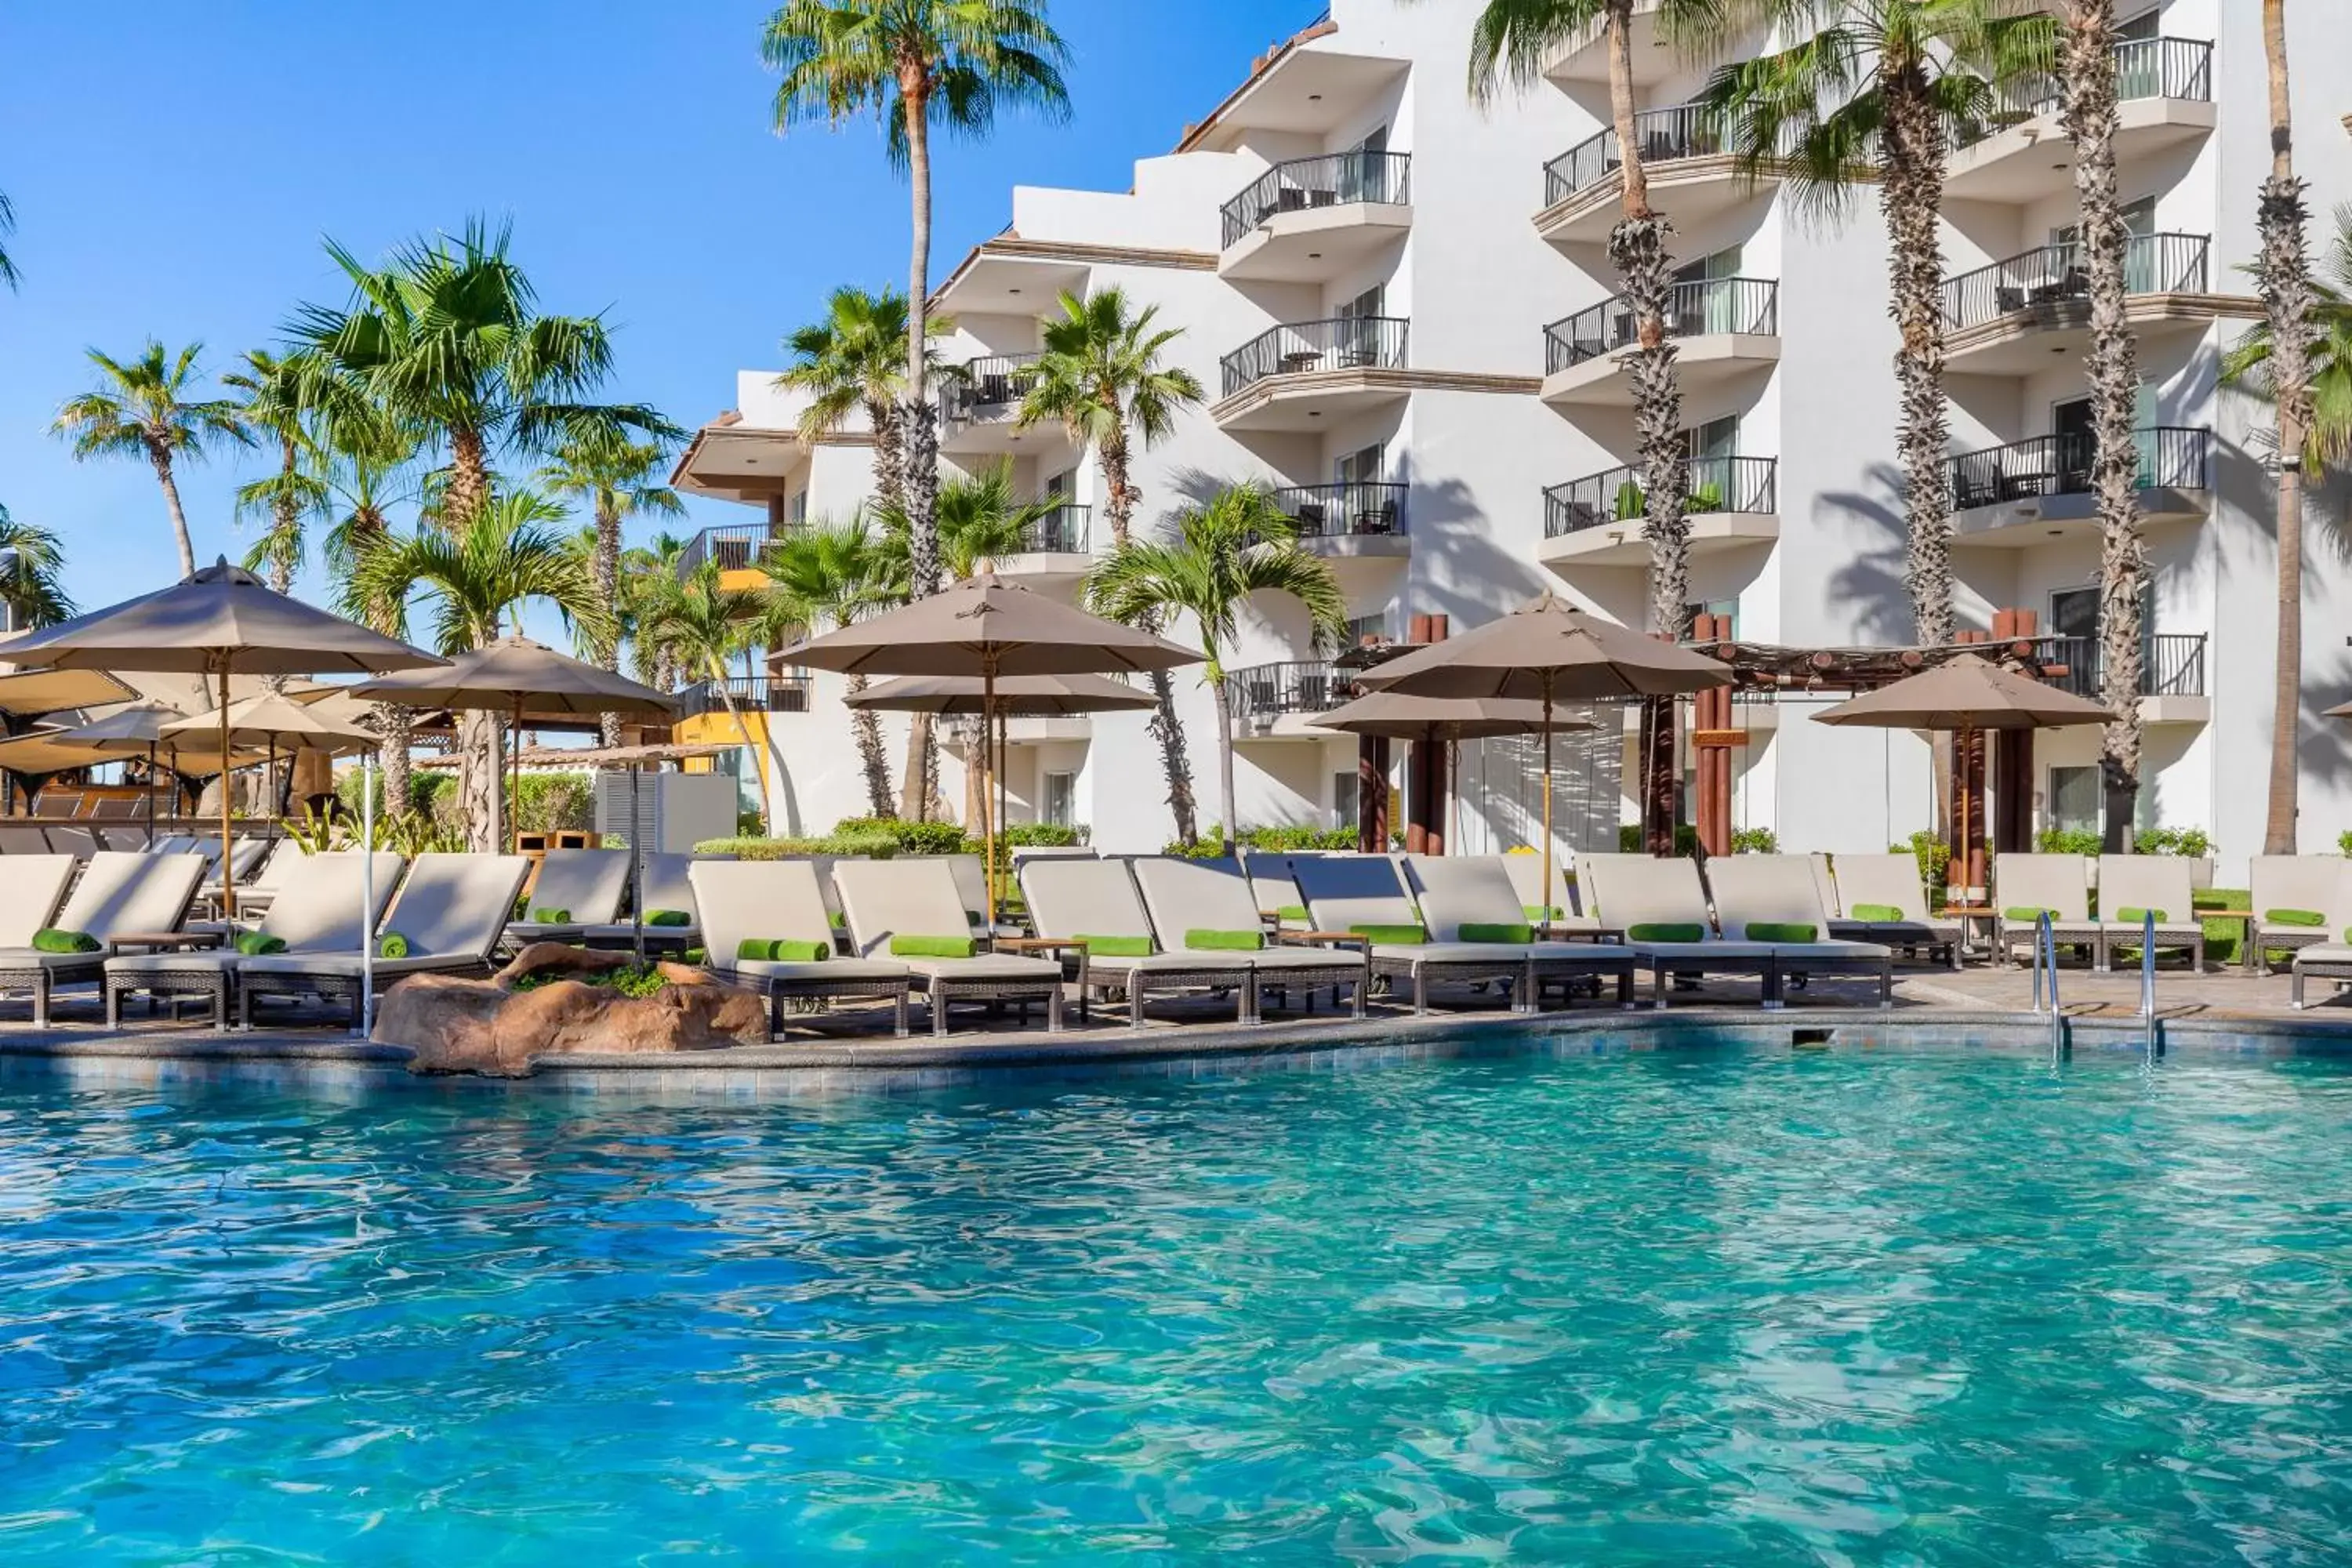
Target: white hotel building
x,y
1400,305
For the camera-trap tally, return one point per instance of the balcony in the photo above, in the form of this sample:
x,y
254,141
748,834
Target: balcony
x,y
736,548
2008,318
2172,674
1283,699
748,693
1064,531
1598,521
1692,173
1313,219
2020,154
1582,58
1297,375
2033,492
1349,518
979,403
1724,327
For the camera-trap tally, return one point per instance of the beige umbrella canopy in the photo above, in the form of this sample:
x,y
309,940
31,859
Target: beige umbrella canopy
x,y
271,721
219,621
995,630
1049,695
1403,718
1551,652
35,693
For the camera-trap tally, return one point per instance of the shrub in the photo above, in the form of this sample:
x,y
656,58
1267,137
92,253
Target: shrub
x,y
911,837
2194,842
550,802
873,845
2344,842
1755,841
751,824
1045,835
425,787
631,981
1935,856
1276,840
2068,841
1629,839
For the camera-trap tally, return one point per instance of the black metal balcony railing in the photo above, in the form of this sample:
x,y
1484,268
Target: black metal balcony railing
x,y
735,548
2055,275
1615,495
1300,348
1303,183
1684,131
1297,686
1354,508
750,693
2145,67
985,389
1060,531
1749,305
2171,664
2171,457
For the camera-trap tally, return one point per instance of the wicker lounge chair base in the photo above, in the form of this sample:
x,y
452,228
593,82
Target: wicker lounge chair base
x,y
899,991
2189,940
1141,982
211,983
1786,967
2013,936
944,991
2324,961
41,981
333,989
2289,940
1280,981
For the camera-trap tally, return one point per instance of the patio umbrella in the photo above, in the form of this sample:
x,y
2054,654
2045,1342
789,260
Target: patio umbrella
x,y
38,693
1963,696
131,731
222,620
1549,652
1440,720
271,719
995,630
514,675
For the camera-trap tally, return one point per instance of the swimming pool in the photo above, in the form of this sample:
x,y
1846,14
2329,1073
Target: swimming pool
x,y
1683,1306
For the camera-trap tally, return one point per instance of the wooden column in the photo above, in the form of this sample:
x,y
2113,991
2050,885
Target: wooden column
x,y
2012,756
1372,794
1425,766
1713,739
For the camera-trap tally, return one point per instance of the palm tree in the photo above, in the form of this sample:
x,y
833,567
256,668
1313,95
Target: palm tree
x,y
649,578
706,627
1215,557
915,63
825,576
141,408
7,227
1102,378
2283,273
854,361
272,408
1876,92
2328,428
30,590
2086,70
472,578
613,474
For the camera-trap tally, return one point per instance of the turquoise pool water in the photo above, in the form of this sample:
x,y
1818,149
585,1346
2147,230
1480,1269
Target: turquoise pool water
x,y
1697,1307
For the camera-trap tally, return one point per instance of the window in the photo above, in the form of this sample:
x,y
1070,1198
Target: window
x,y
1058,487
1345,801
2075,799
796,510
2143,26
1364,465
1359,627
1726,608
1060,804
1368,303
1363,170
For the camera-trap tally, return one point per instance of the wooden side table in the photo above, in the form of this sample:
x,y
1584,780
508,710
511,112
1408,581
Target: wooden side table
x,y
1967,915
2249,958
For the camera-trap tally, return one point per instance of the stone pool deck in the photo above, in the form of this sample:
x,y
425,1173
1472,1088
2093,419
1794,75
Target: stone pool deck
x,y
853,1052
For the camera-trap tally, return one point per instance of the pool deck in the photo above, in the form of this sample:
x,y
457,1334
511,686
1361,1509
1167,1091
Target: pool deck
x,y
2227,1010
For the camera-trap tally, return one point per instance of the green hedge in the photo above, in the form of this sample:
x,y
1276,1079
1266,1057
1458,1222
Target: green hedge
x,y
1629,839
873,845
2192,842
1275,840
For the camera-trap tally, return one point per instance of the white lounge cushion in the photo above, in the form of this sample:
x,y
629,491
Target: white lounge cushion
x,y
842,969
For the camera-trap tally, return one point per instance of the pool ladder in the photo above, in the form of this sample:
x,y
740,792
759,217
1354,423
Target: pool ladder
x,y
2045,970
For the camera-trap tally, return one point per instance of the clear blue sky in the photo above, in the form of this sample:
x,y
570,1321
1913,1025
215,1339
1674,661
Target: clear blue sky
x,y
174,172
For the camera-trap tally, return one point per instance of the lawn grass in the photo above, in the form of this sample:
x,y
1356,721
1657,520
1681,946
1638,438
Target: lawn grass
x,y
2222,936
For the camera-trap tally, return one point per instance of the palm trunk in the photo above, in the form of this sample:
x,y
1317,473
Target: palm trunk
x,y
605,566
1638,249
743,730
1175,754
1225,756
2282,276
2087,68
478,783
398,728
1119,481
873,758
1911,196
889,453
163,461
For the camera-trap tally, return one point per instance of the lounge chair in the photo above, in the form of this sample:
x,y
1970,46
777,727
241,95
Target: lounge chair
x,y
24,839
2132,886
1093,905
1881,898
587,885
1183,894
665,886
1775,900
894,906
2330,956
119,897
451,912
2027,886
2299,901
1652,901
1271,883
1455,892
316,912
1563,913
36,885
80,842
970,874
129,839
780,901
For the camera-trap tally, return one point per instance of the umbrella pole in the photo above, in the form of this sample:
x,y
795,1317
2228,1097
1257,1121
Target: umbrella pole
x,y
514,786
229,883
151,795
367,893
636,870
1546,904
988,723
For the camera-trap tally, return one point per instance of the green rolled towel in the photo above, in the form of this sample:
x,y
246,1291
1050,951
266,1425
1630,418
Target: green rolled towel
x,y
1292,912
1876,914
1794,932
1667,933
1117,946
2136,915
254,945
551,917
1510,935
669,918
787,950
837,921
2026,914
1391,935
755,949
1539,912
1204,939
2293,918
931,947
391,945
52,940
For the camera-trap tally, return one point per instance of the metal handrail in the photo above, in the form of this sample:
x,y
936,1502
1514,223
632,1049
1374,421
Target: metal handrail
x,y
2172,664
2180,68
1302,348
1060,531
2045,956
1351,509
1696,306
1731,484
737,547
2050,275
987,388
2171,457
2147,971
1292,685
1302,184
